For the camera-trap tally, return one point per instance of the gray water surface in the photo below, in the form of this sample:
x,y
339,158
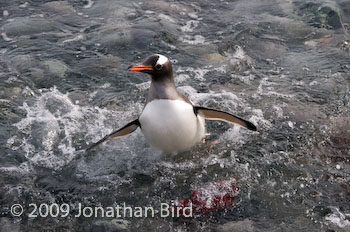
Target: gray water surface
x,y
283,65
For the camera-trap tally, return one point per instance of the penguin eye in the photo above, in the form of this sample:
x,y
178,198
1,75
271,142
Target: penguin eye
x,y
158,67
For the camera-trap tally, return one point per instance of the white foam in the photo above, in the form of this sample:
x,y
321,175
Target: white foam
x,y
76,38
278,111
230,99
190,26
258,118
185,73
270,89
5,37
47,135
239,52
193,15
47,132
233,135
245,79
24,5
166,17
196,39
149,12
338,218
23,169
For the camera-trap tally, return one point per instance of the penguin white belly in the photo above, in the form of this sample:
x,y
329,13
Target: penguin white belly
x,y
171,125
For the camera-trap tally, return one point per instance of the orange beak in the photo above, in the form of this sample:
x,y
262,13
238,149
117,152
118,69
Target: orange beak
x,y
140,68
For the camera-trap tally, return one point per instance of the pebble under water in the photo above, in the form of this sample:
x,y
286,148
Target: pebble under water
x,y
283,65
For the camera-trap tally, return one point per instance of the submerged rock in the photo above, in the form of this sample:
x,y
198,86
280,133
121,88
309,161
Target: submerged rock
x,y
234,58
22,63
134,37
321,15
7,225
114,225
173,8
59,7
36,75
329,15
241,226
8,113
27,26
56,67
97,66
200,49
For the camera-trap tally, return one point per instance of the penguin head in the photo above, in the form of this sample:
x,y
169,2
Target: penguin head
x,y
158,66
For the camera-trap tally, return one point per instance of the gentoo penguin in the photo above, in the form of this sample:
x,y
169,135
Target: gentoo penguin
x,y
169,120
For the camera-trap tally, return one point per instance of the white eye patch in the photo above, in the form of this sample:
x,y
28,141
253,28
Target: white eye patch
x,y
162,59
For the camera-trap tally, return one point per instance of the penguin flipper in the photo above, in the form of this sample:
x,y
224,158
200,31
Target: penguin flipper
x,y
127,129
212,114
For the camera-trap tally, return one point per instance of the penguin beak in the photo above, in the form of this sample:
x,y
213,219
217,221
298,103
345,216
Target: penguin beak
x,y
140,68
